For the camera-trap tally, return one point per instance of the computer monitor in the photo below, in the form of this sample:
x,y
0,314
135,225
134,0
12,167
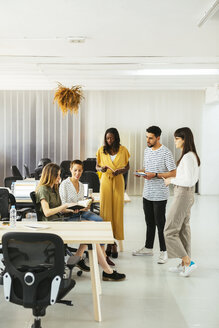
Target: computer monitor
x,y
23,188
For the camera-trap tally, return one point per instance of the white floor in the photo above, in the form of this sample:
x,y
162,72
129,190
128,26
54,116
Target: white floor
x,y
151,296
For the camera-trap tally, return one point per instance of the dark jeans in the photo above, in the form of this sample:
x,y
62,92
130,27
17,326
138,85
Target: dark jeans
x,y
155,216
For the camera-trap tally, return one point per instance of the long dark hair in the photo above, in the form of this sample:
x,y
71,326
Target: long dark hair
x,y
115,145
189,144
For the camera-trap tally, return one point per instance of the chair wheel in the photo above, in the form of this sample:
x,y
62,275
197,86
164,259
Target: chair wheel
x,y
79,273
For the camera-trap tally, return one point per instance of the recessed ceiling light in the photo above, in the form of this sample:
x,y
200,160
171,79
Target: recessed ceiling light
x,y
76,39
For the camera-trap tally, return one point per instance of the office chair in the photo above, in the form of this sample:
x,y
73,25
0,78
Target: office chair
x,y
34,271
27,172
69,250
89,165
16,172
9,180
6,201
65,169
93,181
40,166
36,206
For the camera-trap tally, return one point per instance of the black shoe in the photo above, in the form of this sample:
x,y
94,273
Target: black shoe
x,y
114,252
108,249
109,261
115,276
81,265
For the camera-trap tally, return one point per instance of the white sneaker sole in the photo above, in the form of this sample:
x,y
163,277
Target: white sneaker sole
x,y
145,254
193,268
161,261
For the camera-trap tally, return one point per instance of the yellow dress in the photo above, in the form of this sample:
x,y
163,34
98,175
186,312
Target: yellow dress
x,y
112,190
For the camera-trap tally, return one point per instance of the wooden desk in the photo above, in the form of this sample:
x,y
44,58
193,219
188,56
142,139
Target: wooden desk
x,y
96,196
91,233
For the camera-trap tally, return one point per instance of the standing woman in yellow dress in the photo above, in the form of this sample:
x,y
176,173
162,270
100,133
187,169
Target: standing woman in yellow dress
x,y
113,162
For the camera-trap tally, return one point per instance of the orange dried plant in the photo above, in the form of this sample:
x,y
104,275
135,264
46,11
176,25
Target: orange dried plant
x,y
68,98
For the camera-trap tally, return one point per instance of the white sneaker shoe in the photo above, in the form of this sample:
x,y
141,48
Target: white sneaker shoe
x,y
143,251
177,269
187,270
162,258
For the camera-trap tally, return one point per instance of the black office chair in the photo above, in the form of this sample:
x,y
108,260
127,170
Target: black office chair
x,y
65,169
36,206
34,271
27,172
69,250
9,180
93,181
16,173
6,201
89,165
40,166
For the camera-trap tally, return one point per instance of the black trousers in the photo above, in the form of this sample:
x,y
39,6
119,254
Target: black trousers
x,y
155,216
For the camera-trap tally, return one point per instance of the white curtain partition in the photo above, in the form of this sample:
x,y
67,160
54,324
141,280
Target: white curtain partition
x,y
33,127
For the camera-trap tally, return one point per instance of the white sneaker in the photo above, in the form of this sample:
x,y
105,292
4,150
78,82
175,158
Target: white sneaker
x,y
143,251
177,269
187,270
162,258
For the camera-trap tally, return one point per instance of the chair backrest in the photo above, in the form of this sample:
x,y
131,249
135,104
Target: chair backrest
x,y
4,203
40,166
27,172
89,164
9,180
34,267
92,179
16,172
65,169
37,206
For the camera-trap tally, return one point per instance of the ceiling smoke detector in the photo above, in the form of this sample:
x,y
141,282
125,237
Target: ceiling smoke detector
x,y
76,39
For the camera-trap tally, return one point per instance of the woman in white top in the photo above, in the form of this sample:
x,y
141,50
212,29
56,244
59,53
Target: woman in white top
x,y
72,188
177,228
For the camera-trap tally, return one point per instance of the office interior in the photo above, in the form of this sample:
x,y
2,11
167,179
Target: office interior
x,y
139,63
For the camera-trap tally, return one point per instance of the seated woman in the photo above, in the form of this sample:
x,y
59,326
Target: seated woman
x,y
47,194
71,190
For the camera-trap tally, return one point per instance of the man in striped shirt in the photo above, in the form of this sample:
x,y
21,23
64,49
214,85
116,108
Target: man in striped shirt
x,y
158,164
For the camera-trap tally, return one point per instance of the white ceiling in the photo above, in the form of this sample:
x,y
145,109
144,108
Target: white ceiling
x,y
123,37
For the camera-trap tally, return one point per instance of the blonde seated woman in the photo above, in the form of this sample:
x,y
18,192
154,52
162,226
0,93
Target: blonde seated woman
x,y
47,194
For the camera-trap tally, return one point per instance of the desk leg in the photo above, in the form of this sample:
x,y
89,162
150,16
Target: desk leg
x,y
95,281
121,249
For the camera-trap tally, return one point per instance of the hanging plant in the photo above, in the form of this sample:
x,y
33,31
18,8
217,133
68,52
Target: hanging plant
x,y
68,98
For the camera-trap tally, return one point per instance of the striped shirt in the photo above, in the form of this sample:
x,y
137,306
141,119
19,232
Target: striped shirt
x,y
68,192
157,161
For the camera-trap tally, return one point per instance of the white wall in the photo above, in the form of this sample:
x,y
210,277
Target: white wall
x,y
32,127
209,182
131,112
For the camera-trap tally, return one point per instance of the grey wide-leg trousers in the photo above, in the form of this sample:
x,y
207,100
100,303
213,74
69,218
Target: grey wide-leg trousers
x,y
177,228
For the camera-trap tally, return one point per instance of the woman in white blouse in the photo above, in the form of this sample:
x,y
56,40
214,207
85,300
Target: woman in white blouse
x,y
72,188
177,228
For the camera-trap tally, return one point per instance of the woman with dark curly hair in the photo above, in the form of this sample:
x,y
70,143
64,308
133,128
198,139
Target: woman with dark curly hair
x,y
113,162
